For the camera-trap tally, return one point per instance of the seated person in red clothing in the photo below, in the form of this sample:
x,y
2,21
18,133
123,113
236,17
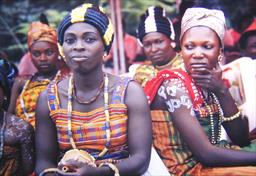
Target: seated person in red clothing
x,y
195,102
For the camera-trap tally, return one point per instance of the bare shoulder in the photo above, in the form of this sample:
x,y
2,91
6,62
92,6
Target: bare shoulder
x,y
20,81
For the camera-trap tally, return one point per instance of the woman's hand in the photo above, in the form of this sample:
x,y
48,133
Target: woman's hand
x,y
74,167
210,79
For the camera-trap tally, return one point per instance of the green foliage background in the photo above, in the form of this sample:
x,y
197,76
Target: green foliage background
x,y
16,15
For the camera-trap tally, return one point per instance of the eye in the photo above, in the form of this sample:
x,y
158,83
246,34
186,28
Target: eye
x,y
146,45
158,42
208,46
189,46
36,53
69,40
49,52
90,39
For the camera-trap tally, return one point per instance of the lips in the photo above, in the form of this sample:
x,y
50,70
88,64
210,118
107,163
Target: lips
x,y
198,64
44,65
79,58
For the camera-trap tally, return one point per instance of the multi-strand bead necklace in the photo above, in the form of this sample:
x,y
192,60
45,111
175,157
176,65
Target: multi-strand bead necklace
x,y
106,111
214,140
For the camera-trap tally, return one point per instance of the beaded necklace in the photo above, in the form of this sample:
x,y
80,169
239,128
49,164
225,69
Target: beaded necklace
x,y
106,111
2,136
214,140
91,99
22,103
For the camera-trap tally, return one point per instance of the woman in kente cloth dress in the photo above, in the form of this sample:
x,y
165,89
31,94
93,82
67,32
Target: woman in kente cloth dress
x,y
195,102
16,135
43,50
98,121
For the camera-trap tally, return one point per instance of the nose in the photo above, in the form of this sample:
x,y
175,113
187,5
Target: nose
x,y
198,54
153,48
43,57
79,45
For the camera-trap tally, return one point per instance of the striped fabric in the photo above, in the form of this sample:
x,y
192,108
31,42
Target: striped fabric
x,y
89,127
145,73
30,98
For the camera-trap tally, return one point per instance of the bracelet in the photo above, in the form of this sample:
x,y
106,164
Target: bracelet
x,y
233,117
112,167
49,170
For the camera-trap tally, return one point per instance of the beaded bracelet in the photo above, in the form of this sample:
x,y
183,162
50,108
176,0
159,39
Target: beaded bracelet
x,y
233,117
112,167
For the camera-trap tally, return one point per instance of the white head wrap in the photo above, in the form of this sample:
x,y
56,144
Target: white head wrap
x,y
198,16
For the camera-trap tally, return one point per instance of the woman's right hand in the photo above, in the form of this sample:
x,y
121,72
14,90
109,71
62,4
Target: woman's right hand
x,y
210,79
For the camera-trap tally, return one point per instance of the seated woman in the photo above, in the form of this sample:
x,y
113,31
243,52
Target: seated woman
x,y
196,102
91,123
43,50
16,135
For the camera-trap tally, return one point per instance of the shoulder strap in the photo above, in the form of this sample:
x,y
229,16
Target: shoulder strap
x,y
53,103
119,91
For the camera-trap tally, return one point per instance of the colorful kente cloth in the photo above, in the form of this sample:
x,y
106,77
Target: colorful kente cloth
x,y
168,142
147,72
30,95
88,128
10,163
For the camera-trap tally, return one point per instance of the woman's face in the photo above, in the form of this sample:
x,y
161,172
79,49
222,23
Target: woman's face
x,y
157,48
83,47
44,55
200,48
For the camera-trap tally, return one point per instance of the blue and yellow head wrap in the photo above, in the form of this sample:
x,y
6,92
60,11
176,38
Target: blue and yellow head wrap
x,y
92,14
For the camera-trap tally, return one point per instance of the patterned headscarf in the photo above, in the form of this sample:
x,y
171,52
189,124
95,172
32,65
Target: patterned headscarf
x,y
8,72
214,19
92,14
155,20
41,32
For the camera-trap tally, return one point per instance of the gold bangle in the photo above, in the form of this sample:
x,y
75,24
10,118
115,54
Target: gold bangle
x,y
233,117
112,167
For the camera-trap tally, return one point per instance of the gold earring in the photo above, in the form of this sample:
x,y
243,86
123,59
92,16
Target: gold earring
x,y
220,57
105,56
173,45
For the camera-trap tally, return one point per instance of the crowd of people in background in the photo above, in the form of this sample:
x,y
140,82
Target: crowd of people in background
x,y
186,106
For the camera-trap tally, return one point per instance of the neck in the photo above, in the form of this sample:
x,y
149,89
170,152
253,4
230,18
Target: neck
x,y
48,75
88,81
169,63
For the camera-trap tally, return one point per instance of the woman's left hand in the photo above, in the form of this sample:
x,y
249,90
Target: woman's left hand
x,y
210,79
